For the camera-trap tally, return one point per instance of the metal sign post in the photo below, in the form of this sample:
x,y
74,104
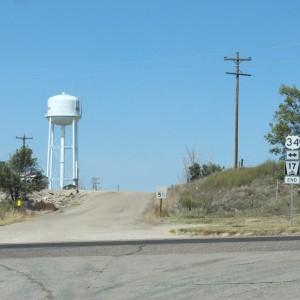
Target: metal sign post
x,y
292,161
292,204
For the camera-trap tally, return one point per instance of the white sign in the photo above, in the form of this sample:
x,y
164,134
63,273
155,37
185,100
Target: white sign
x,y
292,179
292,167
292,155
161,192
292,142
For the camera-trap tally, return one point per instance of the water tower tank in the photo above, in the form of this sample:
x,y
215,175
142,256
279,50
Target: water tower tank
x,y
63,109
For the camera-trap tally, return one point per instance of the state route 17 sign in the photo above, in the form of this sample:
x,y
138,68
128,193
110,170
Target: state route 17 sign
x,y
292,142
161,192
292,167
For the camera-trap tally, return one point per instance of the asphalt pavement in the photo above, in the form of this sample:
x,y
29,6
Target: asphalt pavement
x,y
163,269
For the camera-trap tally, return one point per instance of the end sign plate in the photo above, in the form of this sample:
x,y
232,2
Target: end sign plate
x,y
292,179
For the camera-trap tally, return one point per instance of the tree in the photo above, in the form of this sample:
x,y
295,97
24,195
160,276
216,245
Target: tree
x,y
194,172
21,174
189,160
286,120
8,181
208,169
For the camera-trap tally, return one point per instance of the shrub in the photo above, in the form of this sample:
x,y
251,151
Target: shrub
x,y
6,207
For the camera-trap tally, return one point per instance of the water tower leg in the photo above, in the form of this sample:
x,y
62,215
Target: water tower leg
x,y
74,151
50,153
62,157
51,157
75,154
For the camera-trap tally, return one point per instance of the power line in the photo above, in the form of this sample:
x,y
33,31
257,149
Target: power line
x,y
237,60
157,59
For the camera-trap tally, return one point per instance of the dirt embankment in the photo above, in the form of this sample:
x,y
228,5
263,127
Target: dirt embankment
x,y
55,199
262,197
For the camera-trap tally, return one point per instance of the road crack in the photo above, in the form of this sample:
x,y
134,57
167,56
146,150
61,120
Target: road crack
x,y
249,283
31,279
99,273
140,248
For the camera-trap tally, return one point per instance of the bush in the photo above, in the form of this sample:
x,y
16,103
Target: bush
x,y
6,207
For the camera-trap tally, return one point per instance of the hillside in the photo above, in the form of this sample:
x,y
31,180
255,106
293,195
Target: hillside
x,y
255,191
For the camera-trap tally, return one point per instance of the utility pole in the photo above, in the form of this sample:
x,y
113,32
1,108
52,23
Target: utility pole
x,y
95,183
24,138
22,164
237,60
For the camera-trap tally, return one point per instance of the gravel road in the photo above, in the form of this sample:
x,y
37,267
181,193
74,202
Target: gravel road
x,y
101,216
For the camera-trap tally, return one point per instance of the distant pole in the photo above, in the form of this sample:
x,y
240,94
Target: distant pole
x,y
24,138
95,183
237,60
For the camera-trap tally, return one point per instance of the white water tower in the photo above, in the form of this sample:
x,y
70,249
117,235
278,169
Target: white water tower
x,y
63,111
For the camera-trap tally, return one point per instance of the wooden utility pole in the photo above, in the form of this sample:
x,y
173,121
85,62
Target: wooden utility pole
x,y
237,60
24,138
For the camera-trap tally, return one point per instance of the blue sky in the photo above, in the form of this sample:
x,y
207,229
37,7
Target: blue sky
x,y
150,75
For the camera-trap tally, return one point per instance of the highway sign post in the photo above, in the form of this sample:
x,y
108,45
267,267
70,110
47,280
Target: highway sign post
x,y
292,143
292,160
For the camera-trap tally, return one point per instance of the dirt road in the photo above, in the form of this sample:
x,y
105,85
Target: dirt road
x,y
101,216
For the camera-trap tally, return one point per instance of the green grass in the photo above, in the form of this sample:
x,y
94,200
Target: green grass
x,y
242,176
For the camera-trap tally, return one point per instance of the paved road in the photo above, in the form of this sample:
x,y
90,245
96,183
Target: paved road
x,y
182,269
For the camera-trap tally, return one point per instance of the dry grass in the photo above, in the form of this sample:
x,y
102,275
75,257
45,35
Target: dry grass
x,y
14,216
241,226
10,213
248,191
